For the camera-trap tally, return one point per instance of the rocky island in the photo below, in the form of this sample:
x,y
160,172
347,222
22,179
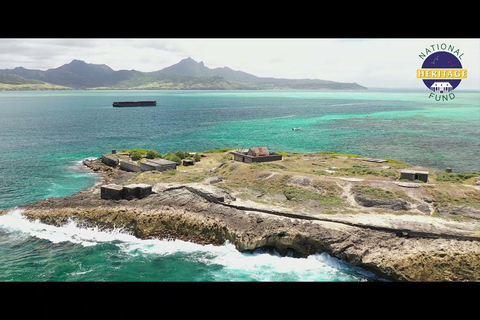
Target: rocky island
x,y
354,208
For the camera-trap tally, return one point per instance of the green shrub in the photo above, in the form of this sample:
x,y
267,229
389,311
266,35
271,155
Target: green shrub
x,y
197,157
136,155
335,154
218,150
173,157
148,153
141,151
394,161
457,177
152,154
182,154
332,155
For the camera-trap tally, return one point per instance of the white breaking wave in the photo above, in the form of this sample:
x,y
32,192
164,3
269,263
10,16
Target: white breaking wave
x,y
14,220
261,266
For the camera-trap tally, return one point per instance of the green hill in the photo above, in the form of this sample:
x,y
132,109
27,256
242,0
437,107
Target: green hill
x,y
186,74
16,82
16,79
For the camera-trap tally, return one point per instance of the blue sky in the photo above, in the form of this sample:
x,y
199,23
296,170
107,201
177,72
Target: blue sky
x,y
372,62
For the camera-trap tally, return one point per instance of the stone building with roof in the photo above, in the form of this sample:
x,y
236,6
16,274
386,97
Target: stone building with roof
x,y
257,154
414,175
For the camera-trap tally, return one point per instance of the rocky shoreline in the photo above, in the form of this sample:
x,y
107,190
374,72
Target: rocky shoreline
x,y
394,249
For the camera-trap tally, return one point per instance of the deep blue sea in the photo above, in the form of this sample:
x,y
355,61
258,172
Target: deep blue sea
x,y
45,135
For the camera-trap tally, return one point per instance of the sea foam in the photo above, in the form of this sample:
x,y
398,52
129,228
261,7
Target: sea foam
x,y
257,266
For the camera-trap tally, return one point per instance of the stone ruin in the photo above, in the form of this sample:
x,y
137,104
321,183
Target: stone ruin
x,y
128,192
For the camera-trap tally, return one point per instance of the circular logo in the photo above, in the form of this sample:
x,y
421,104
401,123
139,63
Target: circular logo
x,y
442,76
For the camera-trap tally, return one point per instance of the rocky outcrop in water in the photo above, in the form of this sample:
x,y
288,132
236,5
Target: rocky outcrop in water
x,y
399,250
182,214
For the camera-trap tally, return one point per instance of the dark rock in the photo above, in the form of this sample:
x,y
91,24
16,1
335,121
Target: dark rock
x,y
460,211
301,180
213,180
424,208
393,204
427,199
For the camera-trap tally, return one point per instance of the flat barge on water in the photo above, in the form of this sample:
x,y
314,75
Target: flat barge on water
x,y
134,103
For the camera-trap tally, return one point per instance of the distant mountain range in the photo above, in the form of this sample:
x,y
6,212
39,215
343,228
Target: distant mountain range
x,y
186,74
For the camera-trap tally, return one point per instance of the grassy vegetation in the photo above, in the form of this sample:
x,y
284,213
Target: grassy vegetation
x,y
266,165
175,82
270,181
379,193
219,150
283,153
181,176
376,193
301,182
31,86
358,171
457,177
395,161
173,157
457,197
138,154
333,154
141,152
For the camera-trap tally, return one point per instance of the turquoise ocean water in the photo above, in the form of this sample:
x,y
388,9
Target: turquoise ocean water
x,y
44,136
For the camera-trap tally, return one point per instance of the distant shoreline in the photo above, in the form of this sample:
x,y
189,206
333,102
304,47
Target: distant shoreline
x,y
372,89
60,88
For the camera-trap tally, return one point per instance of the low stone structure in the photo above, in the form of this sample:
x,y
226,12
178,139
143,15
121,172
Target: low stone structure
x,y
158,164
414,175
129,166
138,190
188,162
109,160
111,192
143,190
128,192
259,154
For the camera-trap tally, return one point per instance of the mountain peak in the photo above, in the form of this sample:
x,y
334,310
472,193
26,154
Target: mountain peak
x,y
188,60
188,67
76,61
191,61
80,66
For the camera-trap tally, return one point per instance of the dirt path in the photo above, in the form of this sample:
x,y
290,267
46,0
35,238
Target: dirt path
x,y
347,194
